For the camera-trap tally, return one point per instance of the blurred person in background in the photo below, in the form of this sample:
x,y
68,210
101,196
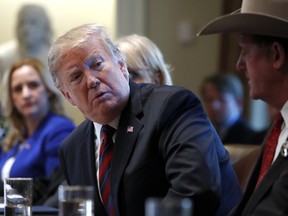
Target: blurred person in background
x,y
33,33
223,98
36,122
144,60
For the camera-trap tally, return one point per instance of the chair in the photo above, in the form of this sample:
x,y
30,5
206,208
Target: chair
x,y
244,158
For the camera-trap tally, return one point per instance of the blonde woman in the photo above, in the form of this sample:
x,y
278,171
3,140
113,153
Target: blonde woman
x,y
144,60
36,122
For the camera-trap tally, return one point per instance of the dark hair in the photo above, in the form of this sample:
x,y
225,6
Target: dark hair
x,y
262,40
225,83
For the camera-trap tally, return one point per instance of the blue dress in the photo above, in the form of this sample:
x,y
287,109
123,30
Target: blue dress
x,y
38,156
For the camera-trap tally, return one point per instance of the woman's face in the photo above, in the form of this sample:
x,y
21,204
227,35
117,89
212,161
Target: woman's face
x,y
29,95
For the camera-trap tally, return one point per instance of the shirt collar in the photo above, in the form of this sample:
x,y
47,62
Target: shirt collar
x,y
284,113
114,123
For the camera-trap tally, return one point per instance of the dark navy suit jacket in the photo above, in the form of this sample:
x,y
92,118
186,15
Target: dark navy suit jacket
x,y
271,196
240,132
173,151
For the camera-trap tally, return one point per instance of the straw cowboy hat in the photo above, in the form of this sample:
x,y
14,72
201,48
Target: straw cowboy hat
x,y
260,17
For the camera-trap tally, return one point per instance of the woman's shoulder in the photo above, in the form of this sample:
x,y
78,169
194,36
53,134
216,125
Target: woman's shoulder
x,y
59,121
54,126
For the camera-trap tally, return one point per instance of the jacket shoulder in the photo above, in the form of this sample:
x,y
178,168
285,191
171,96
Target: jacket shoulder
x,y
80,133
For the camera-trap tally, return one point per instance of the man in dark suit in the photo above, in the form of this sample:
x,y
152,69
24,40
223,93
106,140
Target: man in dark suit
x,y
223,98
164,145
263,39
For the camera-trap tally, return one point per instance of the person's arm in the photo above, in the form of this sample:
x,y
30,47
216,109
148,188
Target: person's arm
x,y
187,144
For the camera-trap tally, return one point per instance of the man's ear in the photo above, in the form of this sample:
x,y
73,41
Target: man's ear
x,y
123,68
278,55
67,96
122,64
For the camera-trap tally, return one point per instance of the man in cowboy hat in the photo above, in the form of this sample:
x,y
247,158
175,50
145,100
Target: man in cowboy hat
x,y
263,38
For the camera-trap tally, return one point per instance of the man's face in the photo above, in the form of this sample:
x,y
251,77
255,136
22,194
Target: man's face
x,y
95,81
219,106
257,65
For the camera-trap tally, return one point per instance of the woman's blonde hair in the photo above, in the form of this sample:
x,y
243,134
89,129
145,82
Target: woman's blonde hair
x,y
16,127
142,54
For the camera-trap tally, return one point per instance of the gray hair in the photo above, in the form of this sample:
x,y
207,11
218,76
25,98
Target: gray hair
x,y
74,38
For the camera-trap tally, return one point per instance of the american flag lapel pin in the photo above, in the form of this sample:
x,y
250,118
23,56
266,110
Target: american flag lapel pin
x,y
130,129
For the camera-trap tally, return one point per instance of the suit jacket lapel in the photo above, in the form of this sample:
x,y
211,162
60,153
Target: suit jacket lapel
x,y
266,184
127,133
87,161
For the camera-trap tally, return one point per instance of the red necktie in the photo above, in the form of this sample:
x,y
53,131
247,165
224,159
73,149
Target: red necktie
x,y
105,157
270,147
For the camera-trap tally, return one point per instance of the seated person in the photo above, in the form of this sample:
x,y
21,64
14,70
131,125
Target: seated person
x,y
222,96
144,60
36,122
161,132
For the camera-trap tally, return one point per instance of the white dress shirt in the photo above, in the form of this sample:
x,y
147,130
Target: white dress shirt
x,y
284,130
98,127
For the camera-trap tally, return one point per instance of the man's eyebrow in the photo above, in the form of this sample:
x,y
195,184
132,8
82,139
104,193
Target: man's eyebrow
x,y
91,57
73,70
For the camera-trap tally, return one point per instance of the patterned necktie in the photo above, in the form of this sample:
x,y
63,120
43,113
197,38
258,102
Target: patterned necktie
x,y
105,157
270,147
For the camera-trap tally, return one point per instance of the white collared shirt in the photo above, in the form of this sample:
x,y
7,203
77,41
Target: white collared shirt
x,y
284,131
98,127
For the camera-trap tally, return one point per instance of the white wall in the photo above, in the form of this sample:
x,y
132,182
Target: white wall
x,y
131,17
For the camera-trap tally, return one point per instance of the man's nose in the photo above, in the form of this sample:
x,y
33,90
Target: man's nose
x,y
92,80
240,66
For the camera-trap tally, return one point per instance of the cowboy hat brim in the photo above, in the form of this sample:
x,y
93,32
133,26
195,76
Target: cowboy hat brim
x,y
247,23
